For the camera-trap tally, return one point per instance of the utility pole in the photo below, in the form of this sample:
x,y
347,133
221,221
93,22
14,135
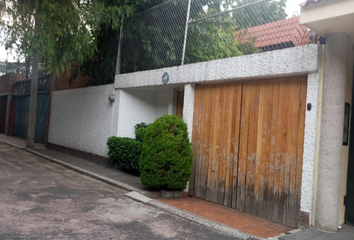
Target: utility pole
x,y
32,118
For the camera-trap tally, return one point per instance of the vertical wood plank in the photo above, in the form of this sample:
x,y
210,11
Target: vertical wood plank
x,y
227,141
263,152
207,111
289,215
272,149
214,152
250,206
198,106
235,143
242,161
199,122
277,210
220,148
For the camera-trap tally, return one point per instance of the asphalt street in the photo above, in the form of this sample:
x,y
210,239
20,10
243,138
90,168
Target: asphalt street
x,y
43,200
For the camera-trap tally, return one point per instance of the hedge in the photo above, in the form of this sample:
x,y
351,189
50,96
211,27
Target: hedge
x,y
124,153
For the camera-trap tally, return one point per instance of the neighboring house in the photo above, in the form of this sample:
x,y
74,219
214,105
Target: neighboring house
x,y
266,128
276,35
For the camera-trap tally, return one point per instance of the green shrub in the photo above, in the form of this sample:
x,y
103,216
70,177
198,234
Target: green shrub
x,y
125,153
140,130
141,125
166,157
140,134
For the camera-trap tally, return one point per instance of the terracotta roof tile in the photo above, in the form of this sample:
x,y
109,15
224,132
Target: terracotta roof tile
x,y
279,34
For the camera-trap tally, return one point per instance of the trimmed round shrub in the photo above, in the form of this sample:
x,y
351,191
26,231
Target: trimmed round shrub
x,y
124,153
166,157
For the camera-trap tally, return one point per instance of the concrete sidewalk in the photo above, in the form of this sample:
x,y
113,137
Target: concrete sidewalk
x,y
346,233
108,175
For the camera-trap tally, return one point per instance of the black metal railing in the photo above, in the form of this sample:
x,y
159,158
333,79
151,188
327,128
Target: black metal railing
x,y
24,87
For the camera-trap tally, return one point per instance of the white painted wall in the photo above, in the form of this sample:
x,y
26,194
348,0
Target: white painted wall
x,y
279,63
310,138
136,106
81,119
188,107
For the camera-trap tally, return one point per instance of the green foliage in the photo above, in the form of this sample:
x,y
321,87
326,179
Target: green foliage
x,y
212,40
140,134
61,31
125,153
141,125
166,158
264,13
158,42
140,130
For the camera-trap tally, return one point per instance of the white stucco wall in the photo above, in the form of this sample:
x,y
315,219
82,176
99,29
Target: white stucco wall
x,y
188,108
331,142
310,138
285,62
136,106
82,119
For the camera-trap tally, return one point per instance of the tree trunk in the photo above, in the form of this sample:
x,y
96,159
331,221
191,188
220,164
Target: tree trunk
x,y
32,118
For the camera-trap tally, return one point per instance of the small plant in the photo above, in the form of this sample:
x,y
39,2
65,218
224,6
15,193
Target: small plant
x,y
140,130
124,153
166,158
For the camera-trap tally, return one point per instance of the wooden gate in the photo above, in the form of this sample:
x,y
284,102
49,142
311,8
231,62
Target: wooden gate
x,y
248,146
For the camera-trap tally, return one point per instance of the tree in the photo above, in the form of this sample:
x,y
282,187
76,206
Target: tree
x,y
100,67
154,39
57,32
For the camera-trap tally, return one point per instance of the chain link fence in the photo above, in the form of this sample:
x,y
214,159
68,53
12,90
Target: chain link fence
x,y
189,31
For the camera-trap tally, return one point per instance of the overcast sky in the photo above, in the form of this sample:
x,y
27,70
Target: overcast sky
x,y
292,8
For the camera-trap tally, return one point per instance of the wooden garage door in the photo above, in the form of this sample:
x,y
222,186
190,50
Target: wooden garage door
x,y
248,146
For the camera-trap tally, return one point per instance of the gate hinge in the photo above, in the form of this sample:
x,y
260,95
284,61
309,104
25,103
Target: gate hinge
x,y
345,200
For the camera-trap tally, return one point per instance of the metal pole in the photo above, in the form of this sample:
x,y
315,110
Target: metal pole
x,y
186,32
119,47
32,117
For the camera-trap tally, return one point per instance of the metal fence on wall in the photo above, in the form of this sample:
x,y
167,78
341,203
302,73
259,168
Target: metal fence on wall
x,y
180,32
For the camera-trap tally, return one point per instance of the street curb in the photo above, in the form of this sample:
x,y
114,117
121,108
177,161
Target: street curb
x,y
220,228
138,197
